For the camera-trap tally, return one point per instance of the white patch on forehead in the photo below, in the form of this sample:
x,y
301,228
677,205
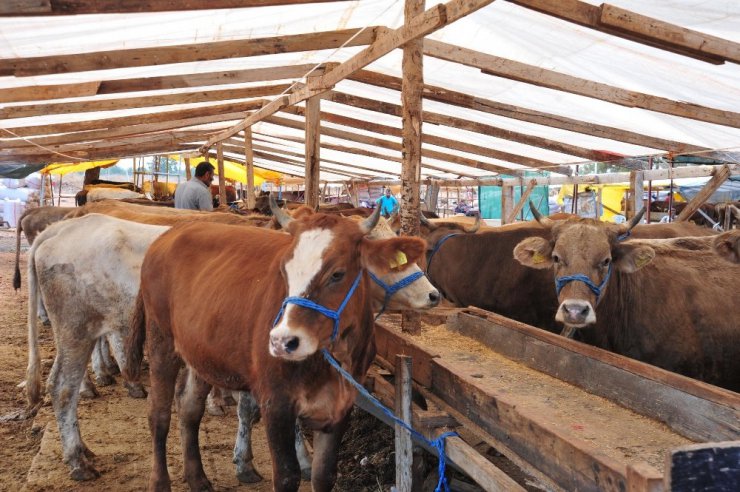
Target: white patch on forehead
x,y
307,259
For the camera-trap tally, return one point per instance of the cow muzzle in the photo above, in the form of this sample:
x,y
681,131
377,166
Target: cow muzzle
x,y
576,313
292,344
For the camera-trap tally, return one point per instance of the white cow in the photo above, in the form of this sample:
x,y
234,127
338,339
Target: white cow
x,y
87,273
98,194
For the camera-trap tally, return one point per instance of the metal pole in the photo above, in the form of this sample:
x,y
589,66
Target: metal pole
x,y
404,456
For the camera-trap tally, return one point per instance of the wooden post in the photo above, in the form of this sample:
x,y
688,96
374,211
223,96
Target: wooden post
x,y
636,189
720,176
411,112
59,197
323,192
221,174
431,196
404,457
188,174
313,149
249,162
507,203
520,204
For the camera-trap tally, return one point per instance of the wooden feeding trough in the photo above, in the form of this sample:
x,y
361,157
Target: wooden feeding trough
x,y
574,416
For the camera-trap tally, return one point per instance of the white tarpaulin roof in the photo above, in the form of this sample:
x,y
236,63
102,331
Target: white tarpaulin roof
x,y
503,29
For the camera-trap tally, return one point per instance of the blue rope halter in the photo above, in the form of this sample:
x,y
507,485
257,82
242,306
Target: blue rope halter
x,y
439,245
438,443
392,289
307,303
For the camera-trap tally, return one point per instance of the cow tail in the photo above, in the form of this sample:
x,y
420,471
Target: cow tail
x,y
17,274
33,372
135,341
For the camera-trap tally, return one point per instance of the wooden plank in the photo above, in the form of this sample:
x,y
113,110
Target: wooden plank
x,y
249,164
390,144
708,467
637,186
507,203
720,176
694,409
155,117
541,77
218,50
76,7
449,96
187,169
45,92
313,150
641,478
518,207
386,41
221,175
589,15
28,110
403,445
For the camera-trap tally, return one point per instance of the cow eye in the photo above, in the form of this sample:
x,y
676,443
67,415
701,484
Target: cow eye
x,y
606,262
555,259
337,276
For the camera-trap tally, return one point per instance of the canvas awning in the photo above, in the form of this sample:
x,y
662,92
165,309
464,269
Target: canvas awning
x,y
63,168
238,172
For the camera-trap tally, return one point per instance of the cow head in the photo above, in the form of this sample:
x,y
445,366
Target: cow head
x,y
583,253
727,245
327,258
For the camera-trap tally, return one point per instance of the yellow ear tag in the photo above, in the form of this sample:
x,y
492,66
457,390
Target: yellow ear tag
x,y
643,260
538,257
399,260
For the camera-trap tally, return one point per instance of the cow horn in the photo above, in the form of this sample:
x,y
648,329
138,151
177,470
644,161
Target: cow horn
x,y
544,221
282,217
635,220
369,224
474,228
426,222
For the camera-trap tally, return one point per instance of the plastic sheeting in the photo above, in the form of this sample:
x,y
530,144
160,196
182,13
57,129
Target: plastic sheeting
x,y
502,28
63,168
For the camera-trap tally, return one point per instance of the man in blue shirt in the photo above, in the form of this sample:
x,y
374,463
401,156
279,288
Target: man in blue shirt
x,y
196,193
387,203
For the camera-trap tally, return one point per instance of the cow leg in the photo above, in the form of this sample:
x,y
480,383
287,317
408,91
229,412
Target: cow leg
x,y
216,404
67,374
325,454
280,424
301,451
191,406
163,368
87,388
117,345
41,313
103,376
248,412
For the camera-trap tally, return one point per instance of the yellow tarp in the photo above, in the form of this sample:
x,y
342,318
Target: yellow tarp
x,y
611,197
237,172
63,168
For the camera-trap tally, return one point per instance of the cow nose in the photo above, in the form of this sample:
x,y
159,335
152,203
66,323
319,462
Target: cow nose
x,y
285,345
577,312
434,298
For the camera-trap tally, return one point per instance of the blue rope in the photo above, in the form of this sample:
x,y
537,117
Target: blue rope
x,y
624,236
438,443
307,303
392,289
439,245
596,289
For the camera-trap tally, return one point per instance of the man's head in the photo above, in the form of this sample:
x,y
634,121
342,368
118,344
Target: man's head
x,y
388,192
204,172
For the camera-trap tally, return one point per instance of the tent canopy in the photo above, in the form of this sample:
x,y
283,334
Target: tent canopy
x,y
238,172
62,168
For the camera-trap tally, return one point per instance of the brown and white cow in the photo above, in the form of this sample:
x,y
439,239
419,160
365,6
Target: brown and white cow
x,y
277,358
671,303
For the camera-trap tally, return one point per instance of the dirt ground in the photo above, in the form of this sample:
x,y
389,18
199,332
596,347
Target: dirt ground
x,y
114,426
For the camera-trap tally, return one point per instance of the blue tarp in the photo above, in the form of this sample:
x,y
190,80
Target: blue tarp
x,y
489,198
729,191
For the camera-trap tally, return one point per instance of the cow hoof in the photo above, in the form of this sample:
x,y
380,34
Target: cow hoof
x,y
201,484
135,390
229,401
306,474
83,473
113,369
46,322
215,410
89,392
248,475
104,380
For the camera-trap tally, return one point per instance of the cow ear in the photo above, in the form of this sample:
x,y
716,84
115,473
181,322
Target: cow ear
x,y
727,246
397,253
534,252
629,258
394,222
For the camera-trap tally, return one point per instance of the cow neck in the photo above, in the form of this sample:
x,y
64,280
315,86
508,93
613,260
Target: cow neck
x,y
439,244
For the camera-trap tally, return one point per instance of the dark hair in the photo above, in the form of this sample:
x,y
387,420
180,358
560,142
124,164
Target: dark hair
x,y
203,168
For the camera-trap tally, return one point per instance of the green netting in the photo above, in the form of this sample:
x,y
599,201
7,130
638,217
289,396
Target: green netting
x,y
489,198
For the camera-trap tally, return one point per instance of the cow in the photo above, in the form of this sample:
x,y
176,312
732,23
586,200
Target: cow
x,y
230,194
477,268
727,245
97,194
269,346
672,305
32,222
86,272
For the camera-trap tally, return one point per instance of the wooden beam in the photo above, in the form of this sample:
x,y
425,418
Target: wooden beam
x,y
473,126
187,169
200,96
76,7
386,41
390,144
43,92
249,164
637,187
221,175
165,146
313,149
719,177
403,445
639,28
218,50
448,96
507,204
530,74
108,123
518,207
